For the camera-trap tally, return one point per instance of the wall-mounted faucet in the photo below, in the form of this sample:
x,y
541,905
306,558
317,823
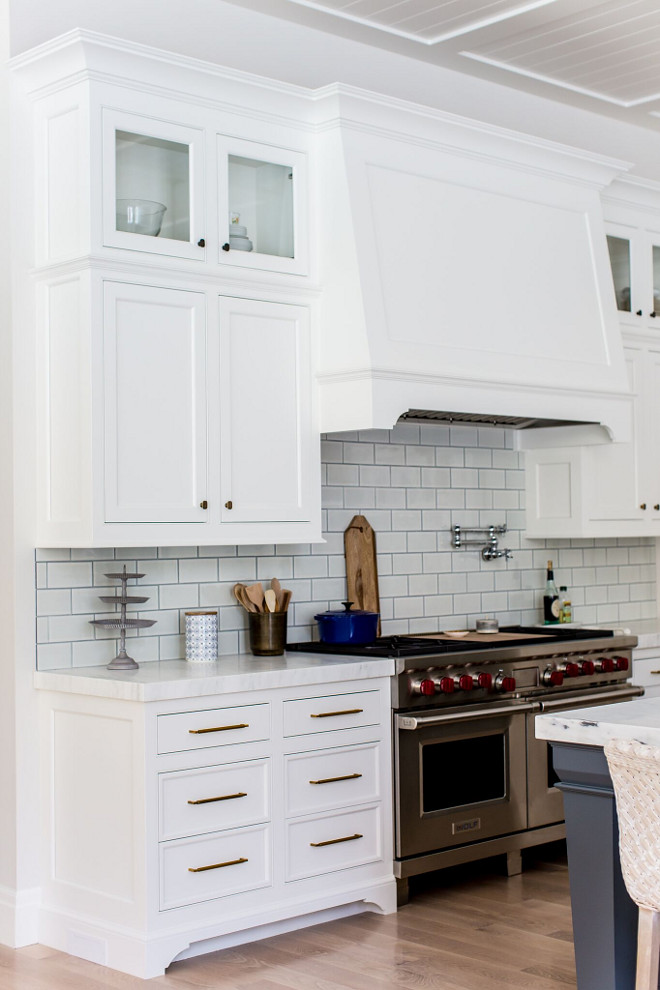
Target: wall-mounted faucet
x,y
489,534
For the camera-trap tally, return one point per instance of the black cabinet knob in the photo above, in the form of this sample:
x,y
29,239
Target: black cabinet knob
x,y
225,247
201,242
639,312
643,505
652,314
657,507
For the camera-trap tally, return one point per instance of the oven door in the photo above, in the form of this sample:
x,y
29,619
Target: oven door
x,y
460,776
544,801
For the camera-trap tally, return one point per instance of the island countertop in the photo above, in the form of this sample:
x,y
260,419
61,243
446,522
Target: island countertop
x,y
167,680
639,720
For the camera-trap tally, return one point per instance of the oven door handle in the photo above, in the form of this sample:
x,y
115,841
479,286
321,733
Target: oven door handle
x,y
623,694
420,722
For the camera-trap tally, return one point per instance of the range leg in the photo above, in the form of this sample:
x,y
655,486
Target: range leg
x,y
514,863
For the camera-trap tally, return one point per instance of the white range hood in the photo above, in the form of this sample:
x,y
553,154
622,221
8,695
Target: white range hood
x,y
463,268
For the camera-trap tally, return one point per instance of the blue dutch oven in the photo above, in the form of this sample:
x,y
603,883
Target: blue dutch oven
x,y
347,626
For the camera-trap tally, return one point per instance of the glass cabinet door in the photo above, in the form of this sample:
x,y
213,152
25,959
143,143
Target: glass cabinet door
x,y
262,190
153,186
619,249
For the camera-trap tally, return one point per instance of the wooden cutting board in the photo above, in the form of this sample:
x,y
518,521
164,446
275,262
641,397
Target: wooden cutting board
x,y
361,567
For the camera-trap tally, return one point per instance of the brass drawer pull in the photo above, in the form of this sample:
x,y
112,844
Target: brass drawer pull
x,y
217,866
219,728
332,842
333,780
347,711
224,797
655,671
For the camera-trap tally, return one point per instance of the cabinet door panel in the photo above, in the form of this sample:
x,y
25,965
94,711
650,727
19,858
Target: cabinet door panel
x,y
615,470
155,404
265,397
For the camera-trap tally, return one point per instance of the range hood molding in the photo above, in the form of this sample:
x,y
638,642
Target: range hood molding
x,y
468,272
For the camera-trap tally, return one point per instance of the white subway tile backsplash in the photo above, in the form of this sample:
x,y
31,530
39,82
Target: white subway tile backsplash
x,y
414,483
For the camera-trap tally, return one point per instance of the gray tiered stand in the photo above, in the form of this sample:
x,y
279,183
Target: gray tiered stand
x,y
122,661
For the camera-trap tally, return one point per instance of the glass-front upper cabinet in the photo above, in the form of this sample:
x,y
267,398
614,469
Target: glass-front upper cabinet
x,y
262,194
619,249
153,186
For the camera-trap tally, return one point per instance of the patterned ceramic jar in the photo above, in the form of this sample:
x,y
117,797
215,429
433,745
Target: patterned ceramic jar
x,y
201,637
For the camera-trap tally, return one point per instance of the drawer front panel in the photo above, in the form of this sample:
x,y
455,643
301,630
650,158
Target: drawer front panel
x,y
335,711
215,727
331,779
646,672
201,869
213,798
334,842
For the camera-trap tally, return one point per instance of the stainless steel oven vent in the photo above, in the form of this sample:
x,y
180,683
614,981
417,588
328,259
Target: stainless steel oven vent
x,y
483,419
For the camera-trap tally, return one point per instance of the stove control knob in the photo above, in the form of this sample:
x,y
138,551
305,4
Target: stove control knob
x,y
604,665
484,681
552,678
465,682
446,685
424,686
503,683
621,663
587,668
570,669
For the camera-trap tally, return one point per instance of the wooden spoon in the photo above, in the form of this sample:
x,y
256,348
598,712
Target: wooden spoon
x,y
286,598
255,593
242,598
277,588
270,600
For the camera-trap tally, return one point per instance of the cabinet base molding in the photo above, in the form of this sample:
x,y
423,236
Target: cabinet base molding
x,y
19,916
147,956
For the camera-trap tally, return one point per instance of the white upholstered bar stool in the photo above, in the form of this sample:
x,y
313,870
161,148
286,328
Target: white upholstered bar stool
x,y
635,772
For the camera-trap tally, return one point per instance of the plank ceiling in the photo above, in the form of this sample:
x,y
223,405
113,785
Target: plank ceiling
x,y
601,55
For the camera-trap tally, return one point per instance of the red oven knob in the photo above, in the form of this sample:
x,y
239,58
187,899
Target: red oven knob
x,y
605,665
426,687
484,681
552,678
465,682
446,685
571,669
621,663
503,683
587,668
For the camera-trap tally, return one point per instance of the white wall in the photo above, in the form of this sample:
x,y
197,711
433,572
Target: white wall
x,y
230,35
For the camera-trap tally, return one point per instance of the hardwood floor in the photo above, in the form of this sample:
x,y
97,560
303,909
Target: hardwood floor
x,y
470,928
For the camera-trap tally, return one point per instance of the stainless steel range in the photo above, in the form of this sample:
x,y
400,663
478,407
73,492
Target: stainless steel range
x,y
470,778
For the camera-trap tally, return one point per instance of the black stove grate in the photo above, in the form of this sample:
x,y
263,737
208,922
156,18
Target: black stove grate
x,y
408,646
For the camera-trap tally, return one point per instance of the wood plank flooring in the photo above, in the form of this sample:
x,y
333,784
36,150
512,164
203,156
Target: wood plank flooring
x,y
469,928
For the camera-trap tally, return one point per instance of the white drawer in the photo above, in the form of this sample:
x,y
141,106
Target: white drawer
x,y
213,798
214,727
200,869
329,712
331,778
646,672
333,842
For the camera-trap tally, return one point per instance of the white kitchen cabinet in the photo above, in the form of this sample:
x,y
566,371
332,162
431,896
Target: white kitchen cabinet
x,y
266,447
262,193
635,261
150,165
199,425
155,405
607,489
646,671
152,848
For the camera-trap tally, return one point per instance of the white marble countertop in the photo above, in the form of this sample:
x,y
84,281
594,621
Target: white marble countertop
x,y
646,630
168,680
639,719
